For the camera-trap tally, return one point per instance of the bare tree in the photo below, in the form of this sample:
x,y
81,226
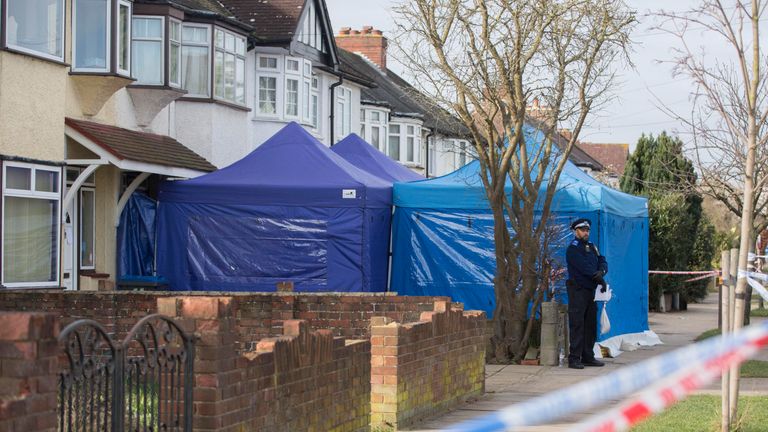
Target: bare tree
x,y
485,61
728,119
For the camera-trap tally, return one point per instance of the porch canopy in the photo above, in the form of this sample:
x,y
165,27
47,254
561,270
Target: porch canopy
x,y
290,211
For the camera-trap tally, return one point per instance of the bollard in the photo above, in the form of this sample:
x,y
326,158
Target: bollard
x,y
550,349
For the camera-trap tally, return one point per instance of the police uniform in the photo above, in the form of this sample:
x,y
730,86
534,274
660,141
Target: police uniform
x,y
586,268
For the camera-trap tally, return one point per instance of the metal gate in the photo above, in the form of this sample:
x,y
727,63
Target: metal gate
x,y
143,383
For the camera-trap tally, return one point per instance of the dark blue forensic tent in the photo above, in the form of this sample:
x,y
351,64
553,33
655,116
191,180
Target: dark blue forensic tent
x,y
290,211
367,157
443,241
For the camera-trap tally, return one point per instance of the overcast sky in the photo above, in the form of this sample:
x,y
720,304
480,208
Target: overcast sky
x,y
640,90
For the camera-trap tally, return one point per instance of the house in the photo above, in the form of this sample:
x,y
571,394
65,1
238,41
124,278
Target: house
x,y
612,156
394,116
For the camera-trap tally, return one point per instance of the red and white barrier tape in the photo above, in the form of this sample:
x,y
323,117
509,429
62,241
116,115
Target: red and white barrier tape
x,y
700,272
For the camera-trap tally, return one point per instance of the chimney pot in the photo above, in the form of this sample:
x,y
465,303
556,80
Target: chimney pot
x,y
367,29
377,32
355,32
344,30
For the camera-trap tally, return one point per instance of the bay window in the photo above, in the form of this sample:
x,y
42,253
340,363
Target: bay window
x,y
287,89
93,43
229,67
148,52
30,228
195,59
36,27
407,135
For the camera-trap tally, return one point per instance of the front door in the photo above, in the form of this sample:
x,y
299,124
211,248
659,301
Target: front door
x,y
79,232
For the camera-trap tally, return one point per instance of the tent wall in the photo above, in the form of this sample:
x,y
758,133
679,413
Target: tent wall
x,y
451,252
204,247
136,237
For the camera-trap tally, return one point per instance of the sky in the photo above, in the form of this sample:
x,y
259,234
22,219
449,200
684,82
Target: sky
x,y
640,91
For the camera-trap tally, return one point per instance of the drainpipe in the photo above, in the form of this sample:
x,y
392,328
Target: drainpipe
x,y
426,165
333,107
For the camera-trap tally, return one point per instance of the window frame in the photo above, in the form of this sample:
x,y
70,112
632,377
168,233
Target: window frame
x,y
32,193
367,125
109,45
26,51
238,56
267,72
116,34
163,67
167,78
209,45
90,189
343,116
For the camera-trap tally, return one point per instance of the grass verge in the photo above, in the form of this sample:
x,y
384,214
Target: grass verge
x,y
701,413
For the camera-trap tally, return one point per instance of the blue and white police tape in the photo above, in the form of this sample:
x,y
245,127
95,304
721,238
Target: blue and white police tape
x,y
585,395
675,388
757,286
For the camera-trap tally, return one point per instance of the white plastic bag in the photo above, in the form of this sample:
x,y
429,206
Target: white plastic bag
x,y
605,323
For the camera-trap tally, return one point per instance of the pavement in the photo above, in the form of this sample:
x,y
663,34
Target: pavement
x,y
509,384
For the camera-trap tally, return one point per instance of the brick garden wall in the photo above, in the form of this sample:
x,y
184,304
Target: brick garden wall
x,y
28,368
300,381
422,369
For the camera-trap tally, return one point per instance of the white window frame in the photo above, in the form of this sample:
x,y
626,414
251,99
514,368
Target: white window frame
x,y
275,73
60,34
416,135
344,115
209,45
108,44
162,46
293,75
171,41
129,5
237,55
315,102
305,96
367,124
399,136
33,194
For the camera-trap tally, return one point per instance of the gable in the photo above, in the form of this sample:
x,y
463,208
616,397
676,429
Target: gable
x,y
312,30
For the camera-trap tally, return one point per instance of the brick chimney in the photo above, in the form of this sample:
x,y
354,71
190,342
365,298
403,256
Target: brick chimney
x,y
369,42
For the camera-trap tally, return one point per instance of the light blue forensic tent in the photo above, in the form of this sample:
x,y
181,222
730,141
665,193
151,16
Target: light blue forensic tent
x,y
443,240
291,210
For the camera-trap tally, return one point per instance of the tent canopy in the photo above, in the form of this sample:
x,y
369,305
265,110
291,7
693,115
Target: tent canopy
x,y
292,168
290,211
463,188
366,157
443,240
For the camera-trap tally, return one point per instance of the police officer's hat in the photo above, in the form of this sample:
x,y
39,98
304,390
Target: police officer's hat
x,y
580,223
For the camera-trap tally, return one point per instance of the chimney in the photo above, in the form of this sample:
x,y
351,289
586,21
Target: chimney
x,y
369,42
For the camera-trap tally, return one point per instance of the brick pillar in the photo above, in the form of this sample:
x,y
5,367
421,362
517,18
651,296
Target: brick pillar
x,y
28,371
217,376
384,350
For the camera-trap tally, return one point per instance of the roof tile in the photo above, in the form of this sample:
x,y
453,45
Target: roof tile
x,y
141,146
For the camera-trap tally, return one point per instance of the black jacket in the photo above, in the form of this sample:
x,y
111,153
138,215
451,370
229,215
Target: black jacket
x,y
584,260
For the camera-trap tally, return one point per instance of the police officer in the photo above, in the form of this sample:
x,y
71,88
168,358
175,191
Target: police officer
x,y
586,268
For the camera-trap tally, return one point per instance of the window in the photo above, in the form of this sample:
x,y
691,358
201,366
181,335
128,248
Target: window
x,y
412,143
195,59
148,50
394,142
92,24
311,30
343,112
31,214
373,127
462,153
291,97
174,53
36,27
268,73
432,157
315,101
229,67
124,37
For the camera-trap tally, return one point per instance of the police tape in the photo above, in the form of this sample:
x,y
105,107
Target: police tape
x,y
619,384
757,286
670,391
697,272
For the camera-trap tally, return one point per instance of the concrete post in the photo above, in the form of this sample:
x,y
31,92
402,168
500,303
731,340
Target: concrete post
x,y
550,350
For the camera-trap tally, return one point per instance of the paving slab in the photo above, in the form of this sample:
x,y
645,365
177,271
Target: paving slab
x,y
510,384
